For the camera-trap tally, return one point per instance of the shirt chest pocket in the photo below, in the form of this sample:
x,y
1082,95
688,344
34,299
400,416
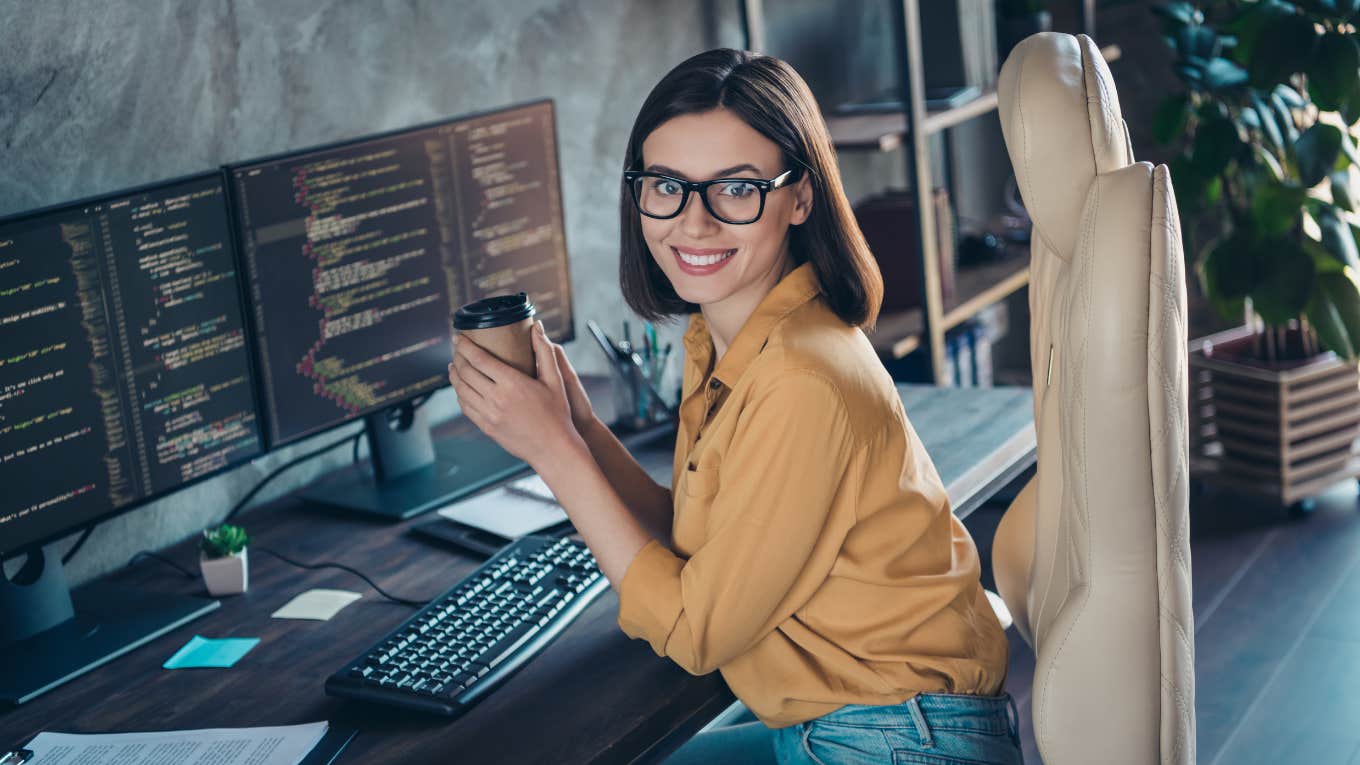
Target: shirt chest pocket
x,y
699,482
693,508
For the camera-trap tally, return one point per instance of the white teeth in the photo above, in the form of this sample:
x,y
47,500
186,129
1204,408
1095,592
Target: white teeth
x,y
705,260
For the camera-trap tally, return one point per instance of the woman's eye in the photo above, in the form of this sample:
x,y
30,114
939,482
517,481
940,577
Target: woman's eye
x,y
664,186
738,190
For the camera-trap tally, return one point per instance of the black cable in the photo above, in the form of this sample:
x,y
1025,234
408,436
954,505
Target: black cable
x,y
71,553
342,567
312,566
354,456
148,554
274,473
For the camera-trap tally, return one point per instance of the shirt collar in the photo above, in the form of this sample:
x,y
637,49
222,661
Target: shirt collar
x,y
796,288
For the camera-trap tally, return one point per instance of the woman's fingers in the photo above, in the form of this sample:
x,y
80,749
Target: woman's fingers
x,y
473,374
545,357
471,385
482,359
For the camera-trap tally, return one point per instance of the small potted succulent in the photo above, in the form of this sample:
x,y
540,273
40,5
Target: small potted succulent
x,y
223,560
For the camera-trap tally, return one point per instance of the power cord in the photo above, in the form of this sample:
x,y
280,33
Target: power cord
x,y
240,505
75,548
310,566
148,554
342,567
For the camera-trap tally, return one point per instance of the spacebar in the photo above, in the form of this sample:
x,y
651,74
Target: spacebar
x,y
509,651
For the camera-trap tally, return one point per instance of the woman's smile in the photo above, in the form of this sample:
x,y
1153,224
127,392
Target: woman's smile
x,y
698,261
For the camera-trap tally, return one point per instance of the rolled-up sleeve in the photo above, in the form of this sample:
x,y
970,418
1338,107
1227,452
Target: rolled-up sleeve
x,y
791,455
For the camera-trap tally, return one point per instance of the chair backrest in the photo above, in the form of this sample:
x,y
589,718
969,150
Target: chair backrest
x,y
1093,557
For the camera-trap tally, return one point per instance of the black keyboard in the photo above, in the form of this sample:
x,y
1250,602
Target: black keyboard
x,y
452,652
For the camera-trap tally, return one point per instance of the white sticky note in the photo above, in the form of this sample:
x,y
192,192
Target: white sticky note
x,y
319,605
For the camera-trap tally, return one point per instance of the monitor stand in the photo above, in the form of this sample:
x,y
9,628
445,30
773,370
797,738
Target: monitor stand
x,y
49,636
409,472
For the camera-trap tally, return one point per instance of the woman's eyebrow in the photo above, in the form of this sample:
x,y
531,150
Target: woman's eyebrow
x,y
726,171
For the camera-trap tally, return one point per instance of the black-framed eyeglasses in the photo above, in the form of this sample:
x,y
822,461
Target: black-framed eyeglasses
x,y
731,200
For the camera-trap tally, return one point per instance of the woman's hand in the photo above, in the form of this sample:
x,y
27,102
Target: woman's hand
x,y
530,418
582,413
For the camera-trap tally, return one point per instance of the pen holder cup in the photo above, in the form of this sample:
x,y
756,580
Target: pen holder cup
x,y
635,408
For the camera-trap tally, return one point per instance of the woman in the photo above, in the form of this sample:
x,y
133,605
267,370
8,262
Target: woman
x,y
806,548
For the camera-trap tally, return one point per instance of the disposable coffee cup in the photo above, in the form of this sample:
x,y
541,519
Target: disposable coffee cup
x,y
503,325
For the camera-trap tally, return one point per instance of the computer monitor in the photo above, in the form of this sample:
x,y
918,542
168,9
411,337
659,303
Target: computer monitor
x,y
357,254
124,375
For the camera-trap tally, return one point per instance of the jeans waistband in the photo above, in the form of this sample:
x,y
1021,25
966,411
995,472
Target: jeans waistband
x,y
988,714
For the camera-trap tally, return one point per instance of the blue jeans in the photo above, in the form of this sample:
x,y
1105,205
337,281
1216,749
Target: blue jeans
x,y
928,729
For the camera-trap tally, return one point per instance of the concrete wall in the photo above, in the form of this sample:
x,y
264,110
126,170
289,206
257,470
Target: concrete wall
x,y
98,95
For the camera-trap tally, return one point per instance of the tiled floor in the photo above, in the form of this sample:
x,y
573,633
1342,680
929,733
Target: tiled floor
x,y
1277,612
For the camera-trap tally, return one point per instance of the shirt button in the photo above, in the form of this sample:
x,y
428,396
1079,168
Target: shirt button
x,y
714,383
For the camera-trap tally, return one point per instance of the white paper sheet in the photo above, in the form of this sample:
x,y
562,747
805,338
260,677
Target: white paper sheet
x,y
533,485
506,513
319,605
285,745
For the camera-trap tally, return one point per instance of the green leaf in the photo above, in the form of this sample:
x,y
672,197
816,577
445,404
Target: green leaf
x,y
1269,128
1197,40
1350,105
1221,74
1275,207
1286,280
1334,312
1169,121
1287,49
1334,71
1264,157
1230,270
1285,116
1319,6
1337,239
1341,191
1216,142
1291,97
1316,152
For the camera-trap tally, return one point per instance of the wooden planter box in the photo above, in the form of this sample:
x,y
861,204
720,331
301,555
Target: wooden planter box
x,y
1287,431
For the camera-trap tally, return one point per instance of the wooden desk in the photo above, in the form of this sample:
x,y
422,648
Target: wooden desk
x,y
593,696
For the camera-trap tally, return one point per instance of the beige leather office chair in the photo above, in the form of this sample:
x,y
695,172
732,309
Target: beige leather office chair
x,y
1093,556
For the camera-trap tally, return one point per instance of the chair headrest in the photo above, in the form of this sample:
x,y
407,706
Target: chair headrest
x,y
1061,120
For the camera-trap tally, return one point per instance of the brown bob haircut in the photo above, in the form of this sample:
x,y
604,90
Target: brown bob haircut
x,y
767,94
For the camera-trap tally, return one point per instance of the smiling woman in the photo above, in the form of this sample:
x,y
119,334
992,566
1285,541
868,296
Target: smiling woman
x,y
806,548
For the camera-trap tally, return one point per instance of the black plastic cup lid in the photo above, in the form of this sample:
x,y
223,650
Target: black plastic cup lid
x,y
496,311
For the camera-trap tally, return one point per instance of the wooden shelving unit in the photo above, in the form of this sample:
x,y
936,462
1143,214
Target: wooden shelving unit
x,y
900,333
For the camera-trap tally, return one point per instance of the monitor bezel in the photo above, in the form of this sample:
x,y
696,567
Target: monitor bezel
x,y
10,550
230,171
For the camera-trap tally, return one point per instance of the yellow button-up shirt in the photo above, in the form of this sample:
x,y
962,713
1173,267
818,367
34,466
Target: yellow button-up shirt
x,y
816,561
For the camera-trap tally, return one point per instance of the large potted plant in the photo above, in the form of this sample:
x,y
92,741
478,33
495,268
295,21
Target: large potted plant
x,y
1263,182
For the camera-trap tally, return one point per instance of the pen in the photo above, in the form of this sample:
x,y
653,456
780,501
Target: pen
x,y
611,351
16,757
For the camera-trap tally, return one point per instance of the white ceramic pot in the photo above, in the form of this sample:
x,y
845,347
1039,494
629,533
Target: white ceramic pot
x,y
226,576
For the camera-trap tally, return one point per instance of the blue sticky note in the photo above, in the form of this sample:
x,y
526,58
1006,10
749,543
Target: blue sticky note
x,y
205,652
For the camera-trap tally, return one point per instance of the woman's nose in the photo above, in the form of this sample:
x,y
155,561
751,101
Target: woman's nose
x,y
695,221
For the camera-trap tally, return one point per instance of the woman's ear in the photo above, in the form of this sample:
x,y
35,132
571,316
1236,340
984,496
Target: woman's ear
x,y
802,201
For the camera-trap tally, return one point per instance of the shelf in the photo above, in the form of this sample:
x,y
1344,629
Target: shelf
x,y
885,132
899,332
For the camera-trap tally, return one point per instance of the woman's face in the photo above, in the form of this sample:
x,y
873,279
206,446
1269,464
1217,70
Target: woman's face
x,y
709,261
